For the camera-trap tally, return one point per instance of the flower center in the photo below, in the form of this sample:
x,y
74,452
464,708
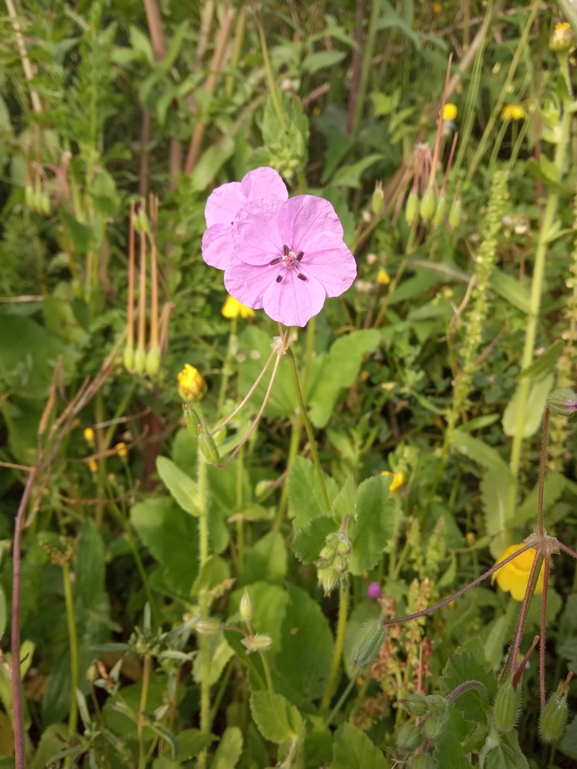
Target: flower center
x,y
289,260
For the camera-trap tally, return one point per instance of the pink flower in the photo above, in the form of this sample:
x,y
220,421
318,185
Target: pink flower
x,y
289,257
374,590
224,204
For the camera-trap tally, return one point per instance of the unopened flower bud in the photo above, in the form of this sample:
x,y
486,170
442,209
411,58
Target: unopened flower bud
x,y
432,726
408,738
440,210
383,277
554,717
208,447
367,642
29,196
328,579
562,38
455,212
38,200
330,549
208,626
428,204
378,198
153,361
412,207
506,706
261,642
191,385
139,361
563,401
44,203
129,358
246,606
416,704
192,420
422,761
436,705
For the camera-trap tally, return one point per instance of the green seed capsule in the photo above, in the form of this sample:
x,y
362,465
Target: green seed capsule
x,y
422,761
440,211
38,200
436,705
408,738
506,706
192,420
367,642
129,358
153,361
416,704
208,626
246,606
29,196
208,447
432,726
378,199
412,207
428,203
563,401
455,213
45,202
554,717
328,578
140,361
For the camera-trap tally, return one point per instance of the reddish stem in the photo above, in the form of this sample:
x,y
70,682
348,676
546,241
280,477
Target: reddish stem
x,y
544,625
566,549
511,662
524,662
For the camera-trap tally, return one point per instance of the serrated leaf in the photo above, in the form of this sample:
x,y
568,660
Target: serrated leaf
x,y
310,540
344,503
267,560
466,666
373,524
305,495
352,749
229,749
277,720
181,486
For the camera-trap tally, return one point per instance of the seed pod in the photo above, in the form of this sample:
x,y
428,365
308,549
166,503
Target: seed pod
x,y
432,726
440,210
554,717
422,761
192,420
455,212
328,578
378,198
139,361
29,196
208,447
45,202
563,401
208,626
367,642
506,706
330,549
38,200
153,361
428,204
408,738
416,704
261,642
436,705
412,207
246,606
129,358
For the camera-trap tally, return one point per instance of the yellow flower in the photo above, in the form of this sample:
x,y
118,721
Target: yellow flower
x,y
233,308
437,8
563,26
383,277
562,38
121,449
449,112
191,385
512,112
92,465
89,435
514,576
399,479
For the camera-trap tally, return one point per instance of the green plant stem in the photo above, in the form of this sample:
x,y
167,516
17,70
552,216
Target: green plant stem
x,y
308,428
73,641
204,647
339,642
343,697
227,368
141,709
267,674
293,451
269,74
368,50
399,274
535,304
240,519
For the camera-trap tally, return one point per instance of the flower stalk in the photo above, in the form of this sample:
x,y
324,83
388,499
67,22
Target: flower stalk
x,y
339,643
73,640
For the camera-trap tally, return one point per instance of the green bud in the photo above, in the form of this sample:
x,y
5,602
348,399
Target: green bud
x,y
562,38
140,361
422,761
415,704
436,705
563,401
208,447
554,717
428,204
129,358
378,199
153,361
44,202
29,196
261,642
343,545
432,726
141,223
506,706
208,626
340,563
262,487
328,552
439,216
192,420
455,212
367,642
412,207
328,578
246,606
38,200
408,738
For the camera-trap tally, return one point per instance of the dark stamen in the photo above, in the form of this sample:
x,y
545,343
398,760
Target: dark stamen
x,y
300,255
275,261
301,276
285,250
279,278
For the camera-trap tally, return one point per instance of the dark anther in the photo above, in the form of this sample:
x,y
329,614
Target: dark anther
x,y
279,278
285,250
301,276
275,261
300,255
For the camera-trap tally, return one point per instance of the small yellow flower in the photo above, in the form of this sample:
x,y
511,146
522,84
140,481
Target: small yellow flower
x,y
191,385
233,308
399,479
512,112
449,111
470,537
437,8
92,465
562,38
514,576
89,435
383,278
121,449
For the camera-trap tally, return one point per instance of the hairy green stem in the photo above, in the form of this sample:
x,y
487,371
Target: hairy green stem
x,y
240,519
293,451
267,674
368,50
270,74
73,641
204,646
141,709
343,697
339,642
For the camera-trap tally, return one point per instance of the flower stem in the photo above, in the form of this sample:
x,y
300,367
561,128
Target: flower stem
x,y
293,451
543,629
204,646
73,641
512,659
240,519
308,428
269,74
227,368
542,467
267,674
343,698
339,642
141,709
366,67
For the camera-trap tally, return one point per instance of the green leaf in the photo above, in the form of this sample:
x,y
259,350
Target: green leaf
x,y
210,163
305,495
191,742
534,410
267,560
542,365
373,524
172,537
350,175
180,485
141,43
229,749
174,47
60,320
80,234
214,571
352,749
480,452
310,539
277,720
90,565
568,744
555,484
510,289
270,602
344,503
392,20
384,104
219,653
469,664
322,60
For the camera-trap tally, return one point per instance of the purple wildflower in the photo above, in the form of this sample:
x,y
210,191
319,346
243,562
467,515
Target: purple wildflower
x,y
289,258
374,590
224,204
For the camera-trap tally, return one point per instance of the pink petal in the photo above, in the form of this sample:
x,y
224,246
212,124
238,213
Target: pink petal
x,y
224,203
247,283
256,233
302,218
335,267
293,301
218,246
263,183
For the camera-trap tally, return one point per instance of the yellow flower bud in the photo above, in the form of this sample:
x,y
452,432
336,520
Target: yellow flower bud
x,y
399,480
191,385
121,449
383,278
232,308
89,435
92,465
562,38
449,111
512,112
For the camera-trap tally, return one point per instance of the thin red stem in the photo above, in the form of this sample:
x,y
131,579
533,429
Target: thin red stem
x,y
19,736
566,549
524,662
544,627
511,662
